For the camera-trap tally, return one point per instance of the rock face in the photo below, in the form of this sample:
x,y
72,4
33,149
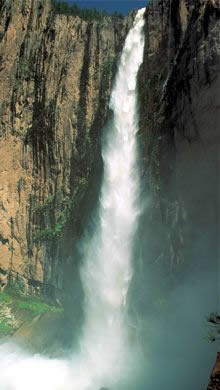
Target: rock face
x,y
214,383
179,137
55,74
180,116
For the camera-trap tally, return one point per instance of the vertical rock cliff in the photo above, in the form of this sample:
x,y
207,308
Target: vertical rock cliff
x,y
179,230
55,74
179,98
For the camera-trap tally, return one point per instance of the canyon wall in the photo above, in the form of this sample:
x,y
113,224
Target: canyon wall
x,y
55,73
179,127
175,286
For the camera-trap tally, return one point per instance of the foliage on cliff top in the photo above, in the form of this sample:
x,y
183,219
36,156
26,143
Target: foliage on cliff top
x,y
64,8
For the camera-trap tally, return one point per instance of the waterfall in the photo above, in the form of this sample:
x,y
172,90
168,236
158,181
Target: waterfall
x,y
107,268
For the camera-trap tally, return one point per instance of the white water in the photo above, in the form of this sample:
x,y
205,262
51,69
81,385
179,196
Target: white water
x,y
106,349
107,271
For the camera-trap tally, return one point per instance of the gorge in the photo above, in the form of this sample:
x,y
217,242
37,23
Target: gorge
x,y
105,349
56,74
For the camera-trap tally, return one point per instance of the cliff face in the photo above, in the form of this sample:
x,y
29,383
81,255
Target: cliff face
x,y
180,116
55,75
179,138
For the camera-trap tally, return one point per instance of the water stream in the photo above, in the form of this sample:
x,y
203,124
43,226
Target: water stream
x,y
105,347
107,271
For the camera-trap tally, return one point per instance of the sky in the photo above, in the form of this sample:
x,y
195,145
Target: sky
x,y
122,6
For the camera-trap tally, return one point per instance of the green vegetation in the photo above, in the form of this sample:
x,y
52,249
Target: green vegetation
x,y
57,112
55,227
1,107
16,287
49,201
4,298
15,310
54,223
5,328
6,321
63,8
35,307
108,66
152,3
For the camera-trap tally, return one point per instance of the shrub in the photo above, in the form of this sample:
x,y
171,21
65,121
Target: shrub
x,y
63,8
35,308
5,328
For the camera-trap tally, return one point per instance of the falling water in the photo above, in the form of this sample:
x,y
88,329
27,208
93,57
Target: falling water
x,y
105,349
107,271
